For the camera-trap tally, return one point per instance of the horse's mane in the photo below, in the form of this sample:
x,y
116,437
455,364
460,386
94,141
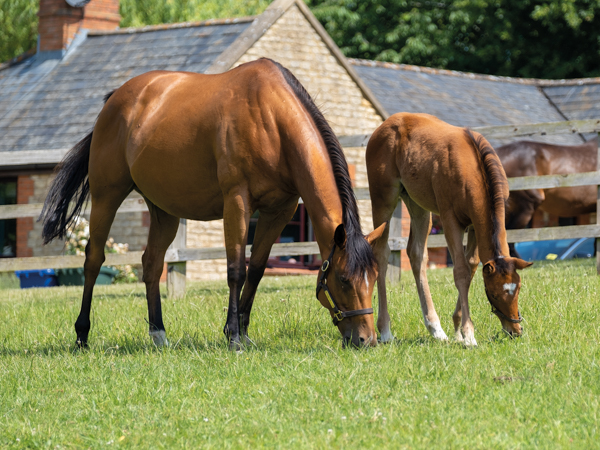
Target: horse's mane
x,y
360,253
495,184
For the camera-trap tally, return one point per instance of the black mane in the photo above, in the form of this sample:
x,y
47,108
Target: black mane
x,y
495,184
360,253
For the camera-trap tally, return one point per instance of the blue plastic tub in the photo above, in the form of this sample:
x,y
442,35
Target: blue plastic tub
x,y
37,278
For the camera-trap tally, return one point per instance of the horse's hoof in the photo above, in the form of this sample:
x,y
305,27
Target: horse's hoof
x,y
436,330
159,337
81,344
470,341
235,345
386,337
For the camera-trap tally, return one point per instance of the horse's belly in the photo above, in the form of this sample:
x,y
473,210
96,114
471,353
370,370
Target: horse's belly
x,y
568,202
183,187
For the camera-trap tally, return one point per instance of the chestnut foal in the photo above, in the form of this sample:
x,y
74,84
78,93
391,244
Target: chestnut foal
x,y
454,172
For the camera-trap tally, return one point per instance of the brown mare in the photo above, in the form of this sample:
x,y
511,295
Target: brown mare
x,y
454,172
527,158
206,147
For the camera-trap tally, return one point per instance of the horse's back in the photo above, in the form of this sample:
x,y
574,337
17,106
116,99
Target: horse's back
x,y
187,138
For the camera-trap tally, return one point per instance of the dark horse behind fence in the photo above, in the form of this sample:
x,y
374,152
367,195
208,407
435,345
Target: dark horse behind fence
x,y
528,158
206,147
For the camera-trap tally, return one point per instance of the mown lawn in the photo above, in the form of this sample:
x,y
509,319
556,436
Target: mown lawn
x,y
298,388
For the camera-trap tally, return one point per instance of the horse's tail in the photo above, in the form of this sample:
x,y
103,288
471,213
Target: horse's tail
x,y
71,182
495,180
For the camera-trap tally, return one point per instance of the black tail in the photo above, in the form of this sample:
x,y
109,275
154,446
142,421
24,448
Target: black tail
x,y
71,182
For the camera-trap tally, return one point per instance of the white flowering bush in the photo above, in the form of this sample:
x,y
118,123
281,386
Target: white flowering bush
x,y
78,235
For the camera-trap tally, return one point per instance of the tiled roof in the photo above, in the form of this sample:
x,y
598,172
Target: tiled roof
x,y
51,104
461,99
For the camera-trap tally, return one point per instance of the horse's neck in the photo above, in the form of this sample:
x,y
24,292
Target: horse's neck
x,y
322,202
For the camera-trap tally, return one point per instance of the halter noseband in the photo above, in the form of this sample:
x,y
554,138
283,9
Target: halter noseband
x,y
500,314
338,315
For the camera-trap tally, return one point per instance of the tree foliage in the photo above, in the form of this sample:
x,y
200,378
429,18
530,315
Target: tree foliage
x,y
524,38
136,13
18,27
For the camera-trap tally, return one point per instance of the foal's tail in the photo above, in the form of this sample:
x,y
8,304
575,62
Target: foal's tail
x,y
71,182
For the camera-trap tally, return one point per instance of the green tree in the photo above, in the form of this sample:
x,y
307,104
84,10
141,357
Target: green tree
x,y
551,39
136,13
18,27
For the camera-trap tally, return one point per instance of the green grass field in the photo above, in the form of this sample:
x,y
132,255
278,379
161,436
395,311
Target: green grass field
x,y
298,388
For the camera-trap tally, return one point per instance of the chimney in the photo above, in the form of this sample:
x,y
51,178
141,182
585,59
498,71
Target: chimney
x,y
60,21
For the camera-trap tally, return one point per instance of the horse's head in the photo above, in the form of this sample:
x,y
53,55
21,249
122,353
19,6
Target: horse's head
x,y
348,295
502,285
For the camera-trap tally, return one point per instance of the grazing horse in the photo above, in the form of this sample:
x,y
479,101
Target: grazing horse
x,y
453,172
206,147
528,158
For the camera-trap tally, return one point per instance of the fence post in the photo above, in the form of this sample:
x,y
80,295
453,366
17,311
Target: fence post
x,y
176,270
394,266
598,211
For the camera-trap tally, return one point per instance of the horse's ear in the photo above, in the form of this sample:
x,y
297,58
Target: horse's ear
x,y
376,233
339,237
489,267
520,264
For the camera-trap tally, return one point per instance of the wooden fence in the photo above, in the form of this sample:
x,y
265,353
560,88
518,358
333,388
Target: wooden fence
x,y
178,254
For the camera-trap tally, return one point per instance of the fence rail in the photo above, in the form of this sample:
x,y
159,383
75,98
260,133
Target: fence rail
x,y
178,255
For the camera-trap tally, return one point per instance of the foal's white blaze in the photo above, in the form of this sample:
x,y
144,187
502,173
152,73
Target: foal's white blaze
x,y
159,337
366,280
510,287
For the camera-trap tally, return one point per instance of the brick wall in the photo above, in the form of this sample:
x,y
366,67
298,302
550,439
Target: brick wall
x,y
59,22
293,42
25,188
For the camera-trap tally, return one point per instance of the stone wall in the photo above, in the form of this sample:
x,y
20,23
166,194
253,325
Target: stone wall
x,y
294,43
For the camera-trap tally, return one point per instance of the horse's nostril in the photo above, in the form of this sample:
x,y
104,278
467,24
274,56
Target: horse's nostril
x,y
362,340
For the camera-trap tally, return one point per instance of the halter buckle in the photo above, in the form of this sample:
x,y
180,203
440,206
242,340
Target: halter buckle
x,y
325,266
338,315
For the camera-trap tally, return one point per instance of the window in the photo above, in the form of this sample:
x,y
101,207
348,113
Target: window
x,y
8,227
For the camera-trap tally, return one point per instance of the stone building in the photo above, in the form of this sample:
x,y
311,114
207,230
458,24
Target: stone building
x,y
50,98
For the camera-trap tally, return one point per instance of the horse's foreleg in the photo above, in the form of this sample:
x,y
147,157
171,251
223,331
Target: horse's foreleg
x,y
420,226
101,218
520,208
268,229
454,234
383,202
236,218
472,257
163,228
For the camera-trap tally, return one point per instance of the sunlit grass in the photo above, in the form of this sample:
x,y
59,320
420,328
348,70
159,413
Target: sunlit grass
x,y
297,387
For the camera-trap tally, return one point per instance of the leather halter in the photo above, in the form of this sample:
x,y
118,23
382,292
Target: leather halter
x,y
500,314
338,315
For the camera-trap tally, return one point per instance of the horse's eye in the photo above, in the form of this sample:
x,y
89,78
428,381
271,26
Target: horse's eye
x,y
344,280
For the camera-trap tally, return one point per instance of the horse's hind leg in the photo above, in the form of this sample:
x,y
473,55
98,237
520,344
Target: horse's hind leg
x,y
268,228
463,273
163,228
384,200
101,218
472,257
236,218
420,226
